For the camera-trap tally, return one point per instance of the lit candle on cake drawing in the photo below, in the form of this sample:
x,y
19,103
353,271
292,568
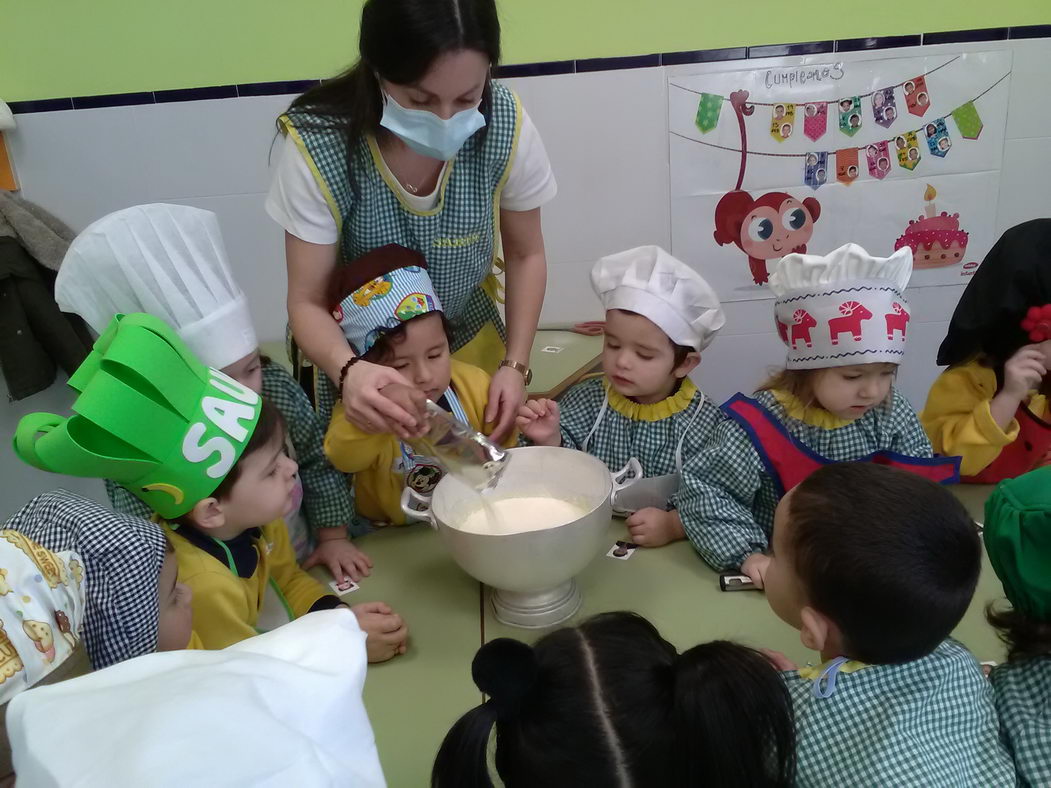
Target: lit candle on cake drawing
x,y
936,239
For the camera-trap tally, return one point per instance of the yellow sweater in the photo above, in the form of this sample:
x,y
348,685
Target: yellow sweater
x,y
225,606
958,420
372,458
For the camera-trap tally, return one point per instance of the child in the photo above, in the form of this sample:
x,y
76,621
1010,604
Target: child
x,y
134,605
169,261
875,567
610,702
660,315
1018,541
843,318
387,308
990,405
207,455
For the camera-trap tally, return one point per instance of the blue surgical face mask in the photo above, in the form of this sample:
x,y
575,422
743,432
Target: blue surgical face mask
x,y
426,133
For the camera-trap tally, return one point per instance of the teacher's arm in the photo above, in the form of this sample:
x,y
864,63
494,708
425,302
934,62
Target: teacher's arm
x,y
310,269
526,280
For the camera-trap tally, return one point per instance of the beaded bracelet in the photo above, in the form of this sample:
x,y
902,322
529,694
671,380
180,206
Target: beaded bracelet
x,y
343,372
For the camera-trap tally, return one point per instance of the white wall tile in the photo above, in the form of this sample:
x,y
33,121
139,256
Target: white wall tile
x,y
1025,185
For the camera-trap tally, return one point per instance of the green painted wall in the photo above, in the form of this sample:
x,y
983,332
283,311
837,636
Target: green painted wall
x,y
57,48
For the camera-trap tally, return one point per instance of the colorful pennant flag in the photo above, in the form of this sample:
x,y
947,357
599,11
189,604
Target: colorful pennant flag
x,y
847,165
917,99
883,107
937,135
782,121
815,172
708,109
878,157
967,121
850,116
908,147
815,120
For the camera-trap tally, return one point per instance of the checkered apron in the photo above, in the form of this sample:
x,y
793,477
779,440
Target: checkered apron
x,y
1023,699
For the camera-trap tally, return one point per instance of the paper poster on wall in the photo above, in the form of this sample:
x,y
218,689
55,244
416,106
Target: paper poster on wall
x,y
744,194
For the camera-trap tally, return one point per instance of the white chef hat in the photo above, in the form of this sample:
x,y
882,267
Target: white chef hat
x,y
843,308
168,261
650,282
283,708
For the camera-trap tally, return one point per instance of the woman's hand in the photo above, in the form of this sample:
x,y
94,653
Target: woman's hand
x,y
369,409
506,395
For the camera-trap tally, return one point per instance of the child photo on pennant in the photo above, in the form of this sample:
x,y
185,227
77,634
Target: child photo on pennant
x,y
782,121
917,99
815,120
877,155
815,169
847,165
908,149
937,136
884,110
850,115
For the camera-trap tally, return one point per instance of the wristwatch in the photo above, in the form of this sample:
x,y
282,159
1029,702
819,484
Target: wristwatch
x,y
527,373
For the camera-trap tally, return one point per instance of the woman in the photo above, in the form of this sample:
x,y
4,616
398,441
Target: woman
x,y
415,145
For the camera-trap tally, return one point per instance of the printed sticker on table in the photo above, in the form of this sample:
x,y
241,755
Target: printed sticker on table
x,y
877,155
907,146
847,165
850,115
917,99
815,120
815,172
708,109
782,121
937,135
883,108
968,123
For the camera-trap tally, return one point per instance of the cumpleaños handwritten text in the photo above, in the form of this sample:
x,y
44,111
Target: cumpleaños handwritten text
x,y
797,77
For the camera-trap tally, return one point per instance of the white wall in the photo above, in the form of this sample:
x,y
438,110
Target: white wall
x,y
606,134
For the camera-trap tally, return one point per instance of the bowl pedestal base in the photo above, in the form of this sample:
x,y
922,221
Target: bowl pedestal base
x,y
537,610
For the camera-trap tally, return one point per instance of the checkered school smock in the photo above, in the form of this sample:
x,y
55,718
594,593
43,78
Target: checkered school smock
x,y
459,236
122,557
649,433
930,722
327,496
1023,699
732,516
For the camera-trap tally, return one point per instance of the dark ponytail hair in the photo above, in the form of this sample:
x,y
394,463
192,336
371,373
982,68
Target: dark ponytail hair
x,y
399,40
610,702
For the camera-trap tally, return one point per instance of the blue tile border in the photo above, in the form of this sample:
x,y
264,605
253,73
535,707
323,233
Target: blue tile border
x,y
195,94
549,68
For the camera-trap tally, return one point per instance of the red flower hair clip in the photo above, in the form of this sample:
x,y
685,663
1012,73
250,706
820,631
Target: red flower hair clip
x,y
1037,323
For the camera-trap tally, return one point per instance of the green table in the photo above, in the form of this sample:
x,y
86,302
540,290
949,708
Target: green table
x,y
561,358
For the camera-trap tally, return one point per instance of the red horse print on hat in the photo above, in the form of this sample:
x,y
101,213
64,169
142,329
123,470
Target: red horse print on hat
x,y
802,322
853,315
898,320
769,226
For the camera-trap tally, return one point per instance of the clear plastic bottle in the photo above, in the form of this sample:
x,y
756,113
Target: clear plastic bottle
x,y
462,452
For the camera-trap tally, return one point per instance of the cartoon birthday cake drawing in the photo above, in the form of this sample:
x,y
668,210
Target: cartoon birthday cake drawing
x,y
936,239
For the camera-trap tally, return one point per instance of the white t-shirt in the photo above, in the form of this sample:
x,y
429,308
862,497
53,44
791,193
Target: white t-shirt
x,y
296,203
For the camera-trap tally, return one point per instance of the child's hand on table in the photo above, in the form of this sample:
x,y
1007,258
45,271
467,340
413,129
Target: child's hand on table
x,y
386,634
538,421
339,555
755,567
651,527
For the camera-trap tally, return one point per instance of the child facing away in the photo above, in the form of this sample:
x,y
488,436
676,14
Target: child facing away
x,y
207,454
610,702
660,315
169,261
1018,540
844,319
385,303
134,603
875,567
990,405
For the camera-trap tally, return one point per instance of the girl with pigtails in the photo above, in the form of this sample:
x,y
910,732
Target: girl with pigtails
x,y
610,702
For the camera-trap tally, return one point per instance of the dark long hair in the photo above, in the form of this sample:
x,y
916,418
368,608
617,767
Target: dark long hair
x,y
610,702
400,40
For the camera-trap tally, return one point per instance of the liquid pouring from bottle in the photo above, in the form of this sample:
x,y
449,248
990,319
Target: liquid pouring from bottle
x,y
461,451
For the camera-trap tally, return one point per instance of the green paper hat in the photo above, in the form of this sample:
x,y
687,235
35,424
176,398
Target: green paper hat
x,y
148,415
1017,535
